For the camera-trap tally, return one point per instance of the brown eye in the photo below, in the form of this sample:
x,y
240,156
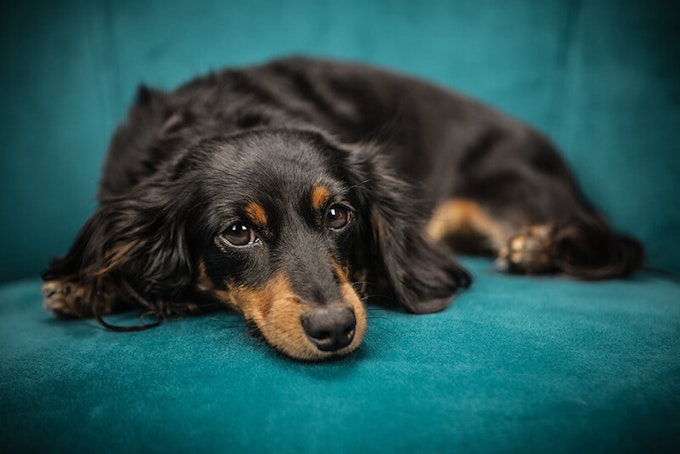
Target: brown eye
x,y
337,217
239,235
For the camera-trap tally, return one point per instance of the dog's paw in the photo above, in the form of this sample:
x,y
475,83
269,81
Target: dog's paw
x,y
528,252
66,299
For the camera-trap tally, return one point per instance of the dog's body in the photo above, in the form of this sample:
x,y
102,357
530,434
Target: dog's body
x,y
293,191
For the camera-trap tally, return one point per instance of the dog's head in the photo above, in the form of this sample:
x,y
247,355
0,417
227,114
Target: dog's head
x,y
285,226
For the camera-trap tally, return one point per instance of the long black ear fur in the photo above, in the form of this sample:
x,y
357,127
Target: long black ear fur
x,y
132,249
403,264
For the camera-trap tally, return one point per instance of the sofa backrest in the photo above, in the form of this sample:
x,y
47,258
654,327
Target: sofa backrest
x,y
599,77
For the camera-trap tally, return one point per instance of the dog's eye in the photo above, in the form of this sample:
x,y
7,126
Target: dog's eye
x,y
239,235
337,217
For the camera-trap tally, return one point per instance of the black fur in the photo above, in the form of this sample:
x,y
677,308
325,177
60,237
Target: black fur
x,y
390,147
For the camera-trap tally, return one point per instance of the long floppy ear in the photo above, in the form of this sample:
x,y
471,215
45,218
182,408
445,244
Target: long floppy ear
x,y
131,252
402,261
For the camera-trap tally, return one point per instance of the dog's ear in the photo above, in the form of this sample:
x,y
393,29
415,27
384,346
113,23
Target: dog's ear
x,y
401,260
131,249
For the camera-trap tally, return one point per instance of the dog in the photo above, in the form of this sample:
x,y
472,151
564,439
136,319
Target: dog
x,y
299,190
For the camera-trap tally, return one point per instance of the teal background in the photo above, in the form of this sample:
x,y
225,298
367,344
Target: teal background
x,y
600,77
514,365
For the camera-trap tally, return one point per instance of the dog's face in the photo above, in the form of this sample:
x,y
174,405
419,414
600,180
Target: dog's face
x,y
275,238
285,226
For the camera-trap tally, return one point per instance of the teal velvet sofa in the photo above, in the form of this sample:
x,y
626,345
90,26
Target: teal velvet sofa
x,y
516,364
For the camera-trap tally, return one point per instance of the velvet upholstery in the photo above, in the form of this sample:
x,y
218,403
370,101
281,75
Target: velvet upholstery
x,y
516,364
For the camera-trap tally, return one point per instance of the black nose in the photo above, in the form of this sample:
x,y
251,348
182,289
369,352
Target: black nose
x,y
330,329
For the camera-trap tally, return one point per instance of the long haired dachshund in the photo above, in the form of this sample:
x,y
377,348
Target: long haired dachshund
x,y
295,191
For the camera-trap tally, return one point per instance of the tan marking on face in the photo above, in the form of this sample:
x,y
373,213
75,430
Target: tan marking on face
x,y
256,213
340,271
320,197
461,217
277,310
203,281
205,284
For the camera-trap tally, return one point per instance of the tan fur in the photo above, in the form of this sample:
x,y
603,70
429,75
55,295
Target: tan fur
x,y
276,310
530,251
340,271
205,284
68,299
320,197
463,217
256,213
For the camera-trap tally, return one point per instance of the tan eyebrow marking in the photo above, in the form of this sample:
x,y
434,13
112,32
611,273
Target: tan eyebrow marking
x,y
256,213
320,196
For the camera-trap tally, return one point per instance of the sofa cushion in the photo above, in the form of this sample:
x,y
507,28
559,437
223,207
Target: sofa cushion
x,y
516,363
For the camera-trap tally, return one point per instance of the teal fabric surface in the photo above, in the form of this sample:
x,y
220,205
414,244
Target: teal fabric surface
x,y
515,365
598,76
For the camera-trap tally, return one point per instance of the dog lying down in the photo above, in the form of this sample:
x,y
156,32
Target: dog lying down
x,y
296,191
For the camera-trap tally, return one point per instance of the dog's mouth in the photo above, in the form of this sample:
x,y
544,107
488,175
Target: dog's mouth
x,y
306,332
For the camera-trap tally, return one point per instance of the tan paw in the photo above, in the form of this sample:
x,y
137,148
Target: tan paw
x,y
529,252
66,299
